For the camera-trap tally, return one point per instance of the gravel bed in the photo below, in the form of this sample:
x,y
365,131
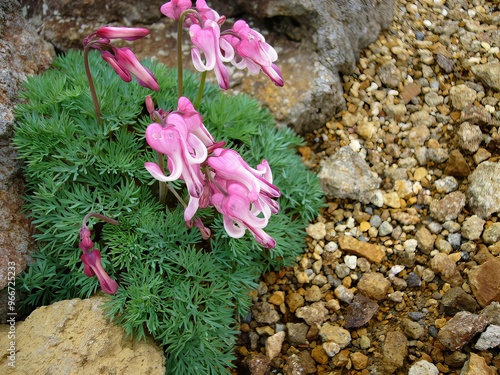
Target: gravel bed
x,y
400,273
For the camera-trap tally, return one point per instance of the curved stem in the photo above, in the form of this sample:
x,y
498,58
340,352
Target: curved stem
x,y
93,93
200,90
99,216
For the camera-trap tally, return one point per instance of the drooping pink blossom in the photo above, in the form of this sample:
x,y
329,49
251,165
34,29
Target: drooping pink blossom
x,y
238,216
122,60
92,265
252,51
229,164
216,51
182,139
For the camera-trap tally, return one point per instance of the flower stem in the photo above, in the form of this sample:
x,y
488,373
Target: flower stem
x,y
180,79
180,25
200,90
162,191
93,93
174,192
99,216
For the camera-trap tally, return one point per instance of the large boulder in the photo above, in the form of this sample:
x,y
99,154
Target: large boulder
x,y
74,337
22,53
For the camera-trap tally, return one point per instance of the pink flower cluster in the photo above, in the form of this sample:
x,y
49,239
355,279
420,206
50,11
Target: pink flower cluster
x,y
240,45
214,176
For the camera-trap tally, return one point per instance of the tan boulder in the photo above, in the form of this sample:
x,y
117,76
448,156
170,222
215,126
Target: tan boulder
x,y
73,337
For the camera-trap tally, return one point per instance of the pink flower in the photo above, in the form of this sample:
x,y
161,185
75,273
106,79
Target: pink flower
x,y
207,40
125,33
253,52
208,13
92,265
183,140
174,8
193,121
243,195
228,164
125,63
236,208
122,60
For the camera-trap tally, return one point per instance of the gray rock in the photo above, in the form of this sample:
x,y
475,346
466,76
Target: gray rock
x,y
469,137
472,227
385,229
423,367
491,234
347,175
482,194
315,40
338,29
489,74
489,338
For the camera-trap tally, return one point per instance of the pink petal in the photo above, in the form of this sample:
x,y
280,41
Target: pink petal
x,y
125,33
174,8
111,60
93,264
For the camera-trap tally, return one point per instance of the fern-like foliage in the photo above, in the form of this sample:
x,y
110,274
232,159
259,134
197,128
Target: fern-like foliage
x,y
186,292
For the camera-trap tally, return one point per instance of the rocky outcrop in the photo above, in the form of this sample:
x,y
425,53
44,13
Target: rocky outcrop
x,y
74,337
315,40
22,53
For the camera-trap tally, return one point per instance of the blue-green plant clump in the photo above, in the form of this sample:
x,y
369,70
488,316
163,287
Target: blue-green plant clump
x,y
184,291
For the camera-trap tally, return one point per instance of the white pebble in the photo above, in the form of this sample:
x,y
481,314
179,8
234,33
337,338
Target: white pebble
x,y
351,261
355,145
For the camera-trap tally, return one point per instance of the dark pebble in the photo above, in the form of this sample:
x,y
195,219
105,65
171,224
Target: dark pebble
x,y
433,331
419,35
413,280
416,315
